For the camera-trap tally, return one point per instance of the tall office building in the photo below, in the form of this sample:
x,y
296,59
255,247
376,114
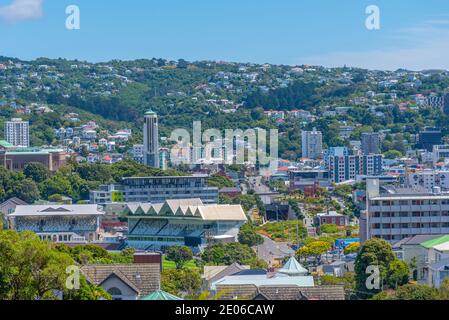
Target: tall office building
x,y
151,140
370,143
17,132
312,144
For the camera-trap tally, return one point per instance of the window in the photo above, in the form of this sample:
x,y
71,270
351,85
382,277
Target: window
x,y
115,292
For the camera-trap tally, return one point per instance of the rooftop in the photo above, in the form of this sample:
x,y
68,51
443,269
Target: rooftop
x,y
57,210
435,242
188,208
293,268
142,278
161,296
263,280
416,240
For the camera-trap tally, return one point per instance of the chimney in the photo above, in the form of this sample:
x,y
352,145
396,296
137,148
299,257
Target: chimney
x,y
148,258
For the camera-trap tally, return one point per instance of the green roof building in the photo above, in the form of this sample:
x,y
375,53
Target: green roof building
x,y
434,242
160,295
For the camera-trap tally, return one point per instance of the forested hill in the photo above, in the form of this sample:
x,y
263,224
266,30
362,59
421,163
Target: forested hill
x,y
222,95
123,90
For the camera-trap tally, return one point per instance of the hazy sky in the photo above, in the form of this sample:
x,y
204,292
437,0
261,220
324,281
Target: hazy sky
x,y
413,34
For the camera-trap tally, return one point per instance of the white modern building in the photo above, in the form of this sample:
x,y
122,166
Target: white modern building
x,y
429,179
151,140
59,223
440,152
312,144
394,214
17,132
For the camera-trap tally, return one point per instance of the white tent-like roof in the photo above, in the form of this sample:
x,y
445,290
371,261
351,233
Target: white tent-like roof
x,y
293,268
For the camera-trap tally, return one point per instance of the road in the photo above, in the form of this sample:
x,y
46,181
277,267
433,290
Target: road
x,y
270,250
256,184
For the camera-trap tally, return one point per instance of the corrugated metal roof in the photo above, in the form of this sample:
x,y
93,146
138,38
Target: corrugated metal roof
x,y
434,242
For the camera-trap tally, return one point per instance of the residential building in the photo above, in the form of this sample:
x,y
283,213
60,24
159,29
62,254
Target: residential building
x,y
137,152
156,190
127,281
428,179
344,166
17,132
410,250
440,153
8,207
212,274
370,143
151,140
312,144
397,213
331,217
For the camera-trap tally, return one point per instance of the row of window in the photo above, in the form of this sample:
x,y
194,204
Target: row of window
x,y
410,214
409,225
409,202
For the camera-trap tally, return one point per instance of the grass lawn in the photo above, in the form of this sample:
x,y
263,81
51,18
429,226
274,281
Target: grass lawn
x,y
167,265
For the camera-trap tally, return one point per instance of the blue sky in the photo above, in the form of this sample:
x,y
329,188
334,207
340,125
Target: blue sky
x,y
413,34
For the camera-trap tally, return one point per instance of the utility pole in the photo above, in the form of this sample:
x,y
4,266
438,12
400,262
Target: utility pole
x,y
297,235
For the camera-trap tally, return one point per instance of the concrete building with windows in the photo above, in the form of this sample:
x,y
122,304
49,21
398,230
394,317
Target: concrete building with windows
x,y
151,140
397,213
17,132
370,143
344,166
312,144
16,159
440,153
156,190
429,179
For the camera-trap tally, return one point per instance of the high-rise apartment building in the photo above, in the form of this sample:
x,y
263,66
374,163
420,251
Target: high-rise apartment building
x,y
312,144
343,165
370,143
17,132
